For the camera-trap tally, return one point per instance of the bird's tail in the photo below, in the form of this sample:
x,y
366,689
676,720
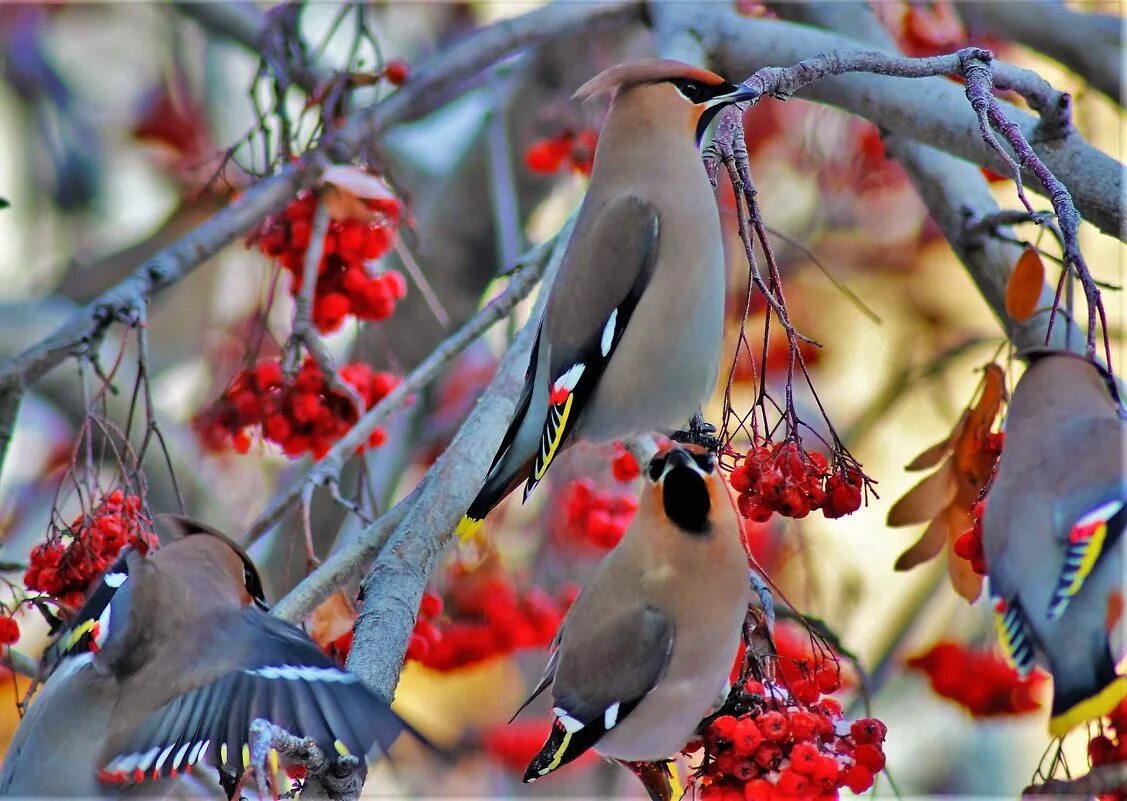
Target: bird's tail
x,y
1069,713
501,481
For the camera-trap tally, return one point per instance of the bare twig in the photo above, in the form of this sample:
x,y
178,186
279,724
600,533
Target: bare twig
x,y
394,586
1100,779
341,777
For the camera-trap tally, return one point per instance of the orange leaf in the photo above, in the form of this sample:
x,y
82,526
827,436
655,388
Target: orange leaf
x,y
925,500
1023,289
934,455
973,463
927,547
332,619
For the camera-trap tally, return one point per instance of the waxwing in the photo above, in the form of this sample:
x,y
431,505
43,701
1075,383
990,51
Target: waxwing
x,y
163,670
645,652
1052,534
631,334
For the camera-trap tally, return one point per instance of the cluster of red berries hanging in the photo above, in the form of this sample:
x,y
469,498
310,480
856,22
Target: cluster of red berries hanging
x,y
70,560
787,479
300,413
344,284
1110,747
768,744
484,616
568,148
968,545
804,666
982,682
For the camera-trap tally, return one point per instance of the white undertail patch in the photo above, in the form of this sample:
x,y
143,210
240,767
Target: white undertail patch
x,y
115,580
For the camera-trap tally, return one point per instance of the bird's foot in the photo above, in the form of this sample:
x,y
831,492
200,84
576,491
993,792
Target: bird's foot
x,y
700,433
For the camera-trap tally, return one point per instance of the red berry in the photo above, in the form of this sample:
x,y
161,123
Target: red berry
x,y
396,71
773,726
740,478
9,631
868,730
546,156
857,779
870,756
624,466
747,737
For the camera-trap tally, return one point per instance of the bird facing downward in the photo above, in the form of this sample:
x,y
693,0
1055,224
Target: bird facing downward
x,y
645,652
631,334
164,670
1053,535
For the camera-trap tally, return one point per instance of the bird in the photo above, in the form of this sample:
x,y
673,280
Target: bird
x,y
1052,534
645,652
631,333
164,669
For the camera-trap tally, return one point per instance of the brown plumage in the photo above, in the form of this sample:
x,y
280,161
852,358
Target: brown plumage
x,y
645,652
1052,533
165,668
631,334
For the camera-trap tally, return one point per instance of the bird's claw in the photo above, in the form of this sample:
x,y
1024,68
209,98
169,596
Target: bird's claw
x,y
700,433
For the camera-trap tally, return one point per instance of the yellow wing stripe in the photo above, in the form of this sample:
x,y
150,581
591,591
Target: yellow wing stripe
x,y
77,634
1090,553
553,436
558,756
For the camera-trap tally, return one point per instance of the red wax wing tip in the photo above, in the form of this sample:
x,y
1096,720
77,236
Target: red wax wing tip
x,y
138,776
558,395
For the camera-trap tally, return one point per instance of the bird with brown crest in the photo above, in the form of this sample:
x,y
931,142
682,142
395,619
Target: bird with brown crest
x,y
631,334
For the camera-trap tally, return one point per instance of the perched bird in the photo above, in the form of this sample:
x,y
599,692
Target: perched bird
x,y
1052,534
631,333
645,652
164,670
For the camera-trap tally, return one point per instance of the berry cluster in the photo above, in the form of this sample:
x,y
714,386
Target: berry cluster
x,y
65,565
485,617
968,545
577,150
344,286
301,413
9,630
805,667
772,745
788,479
1110,748
982,682
593,516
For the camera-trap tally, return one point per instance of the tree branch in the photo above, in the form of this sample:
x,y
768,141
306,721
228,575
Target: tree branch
x,y
352,560
1087,43
955,192
930,110
1100,779
445,71
394,586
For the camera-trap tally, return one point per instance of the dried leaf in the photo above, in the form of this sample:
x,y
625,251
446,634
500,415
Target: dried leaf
x,y
934,455
347,188
1023,290
925,500
332,619
927,547
973,461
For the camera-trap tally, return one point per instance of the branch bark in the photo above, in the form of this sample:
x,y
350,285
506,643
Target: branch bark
x,y
930,110
955,191
394,586
1089,44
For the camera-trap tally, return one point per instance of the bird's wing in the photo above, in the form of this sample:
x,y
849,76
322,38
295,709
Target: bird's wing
x,y
604,275
600,679
270,670
1089,538
87,630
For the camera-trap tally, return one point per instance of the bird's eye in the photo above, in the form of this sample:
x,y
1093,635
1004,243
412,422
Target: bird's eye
x,y
691,90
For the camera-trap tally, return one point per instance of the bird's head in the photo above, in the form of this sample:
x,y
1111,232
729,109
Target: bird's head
x,y
685,475
672,89
200,545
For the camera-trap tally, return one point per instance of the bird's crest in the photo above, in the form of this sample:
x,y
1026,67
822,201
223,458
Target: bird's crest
x,y
635,73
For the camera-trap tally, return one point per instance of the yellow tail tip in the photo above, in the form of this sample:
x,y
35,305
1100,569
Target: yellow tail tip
x,y
468,528
1090,708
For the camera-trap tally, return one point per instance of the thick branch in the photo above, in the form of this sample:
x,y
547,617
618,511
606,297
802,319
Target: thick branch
x,y
930,110
1100,779
1087,43
446,70
955,192
394,586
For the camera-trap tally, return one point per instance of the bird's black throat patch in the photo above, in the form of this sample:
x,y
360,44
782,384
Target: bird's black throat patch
x,y
686,499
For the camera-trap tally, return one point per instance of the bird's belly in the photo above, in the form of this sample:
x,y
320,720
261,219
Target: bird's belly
x,y
672,347
663,722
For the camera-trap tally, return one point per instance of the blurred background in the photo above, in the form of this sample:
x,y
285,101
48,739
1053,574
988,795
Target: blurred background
x,y
115,120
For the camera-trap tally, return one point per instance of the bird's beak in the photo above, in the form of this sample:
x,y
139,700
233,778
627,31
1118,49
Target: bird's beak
x,y
718,103
679,458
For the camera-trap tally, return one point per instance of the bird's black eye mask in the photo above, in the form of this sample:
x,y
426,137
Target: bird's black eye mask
x,y
685,496
700,93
